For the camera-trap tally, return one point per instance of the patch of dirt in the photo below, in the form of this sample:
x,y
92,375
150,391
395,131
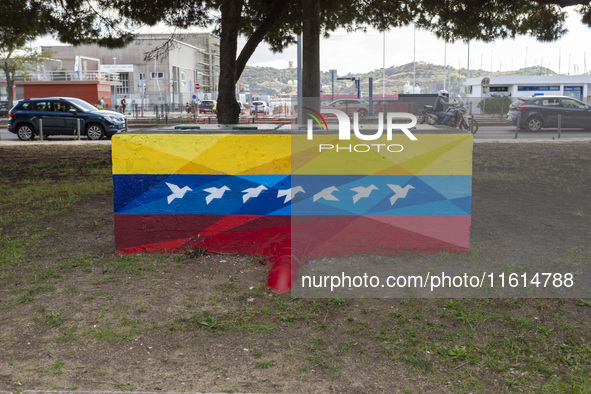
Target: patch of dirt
x,y
73,316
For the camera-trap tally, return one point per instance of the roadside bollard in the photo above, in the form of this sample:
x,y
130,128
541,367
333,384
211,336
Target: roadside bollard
x,y
78,128
517,128
40,128
559,125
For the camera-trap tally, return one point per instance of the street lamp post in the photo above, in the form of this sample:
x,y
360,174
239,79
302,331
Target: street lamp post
x,y
384,65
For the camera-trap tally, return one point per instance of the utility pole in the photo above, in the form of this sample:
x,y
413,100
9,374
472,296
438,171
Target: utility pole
x,y
384,65
300,120
468,59
414,52
444,64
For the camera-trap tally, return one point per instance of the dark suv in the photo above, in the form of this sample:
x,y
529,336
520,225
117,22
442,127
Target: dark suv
x,y
59,116
4,108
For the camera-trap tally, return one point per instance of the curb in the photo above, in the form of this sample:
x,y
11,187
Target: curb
x,y
62,142
476,141
531,141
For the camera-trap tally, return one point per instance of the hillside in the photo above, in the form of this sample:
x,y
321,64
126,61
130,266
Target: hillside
x,y
272,81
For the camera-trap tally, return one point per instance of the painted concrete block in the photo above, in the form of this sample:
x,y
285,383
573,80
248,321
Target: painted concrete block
x,y
269,194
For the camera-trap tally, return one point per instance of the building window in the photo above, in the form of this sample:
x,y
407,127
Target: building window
x,y
157,75
183,79
526,88
142,76
574,91
124,88
499,89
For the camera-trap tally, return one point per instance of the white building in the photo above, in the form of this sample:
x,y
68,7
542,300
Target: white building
x,y
522,86
179,68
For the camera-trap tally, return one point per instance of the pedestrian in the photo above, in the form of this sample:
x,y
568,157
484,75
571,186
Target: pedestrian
x,y
123,104
271,108
101,103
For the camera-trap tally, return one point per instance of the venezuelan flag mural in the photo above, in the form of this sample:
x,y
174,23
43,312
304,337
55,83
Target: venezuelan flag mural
x,y
221,192
275,194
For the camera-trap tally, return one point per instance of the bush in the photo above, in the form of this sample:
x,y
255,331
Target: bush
x,y
495,105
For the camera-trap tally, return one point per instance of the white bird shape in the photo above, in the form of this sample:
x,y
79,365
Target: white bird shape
x,y
326,194
362,192
252,192
290,193
215,192
177,192
399,192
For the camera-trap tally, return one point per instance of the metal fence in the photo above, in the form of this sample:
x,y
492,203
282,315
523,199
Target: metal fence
x,y
58,76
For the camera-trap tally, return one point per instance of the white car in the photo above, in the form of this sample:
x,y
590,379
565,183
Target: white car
x,y
259,107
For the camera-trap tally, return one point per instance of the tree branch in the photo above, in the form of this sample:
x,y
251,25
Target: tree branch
x,y
258,36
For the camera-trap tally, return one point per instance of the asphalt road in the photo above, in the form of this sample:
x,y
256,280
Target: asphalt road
x,y
485,132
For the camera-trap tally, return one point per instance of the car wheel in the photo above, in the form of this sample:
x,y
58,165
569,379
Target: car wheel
x,y
94,132
362,113
534,124
25,132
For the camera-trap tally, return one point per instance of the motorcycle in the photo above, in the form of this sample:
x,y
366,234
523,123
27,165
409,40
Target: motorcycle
x,y
459,120
427,115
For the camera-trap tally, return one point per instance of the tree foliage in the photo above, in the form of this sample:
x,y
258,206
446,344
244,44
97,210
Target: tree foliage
x,y
18,62
112,23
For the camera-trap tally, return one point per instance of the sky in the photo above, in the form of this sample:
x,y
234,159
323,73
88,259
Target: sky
x,y
363,52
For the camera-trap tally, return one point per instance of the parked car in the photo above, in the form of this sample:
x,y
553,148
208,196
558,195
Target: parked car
x,y
60,116
538,112
350,106
259,107
4,108
207,106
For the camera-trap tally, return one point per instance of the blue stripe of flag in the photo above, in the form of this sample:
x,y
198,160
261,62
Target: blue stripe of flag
x,y
441,195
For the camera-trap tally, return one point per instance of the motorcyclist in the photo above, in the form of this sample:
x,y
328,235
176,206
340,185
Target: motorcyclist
x,y
441,104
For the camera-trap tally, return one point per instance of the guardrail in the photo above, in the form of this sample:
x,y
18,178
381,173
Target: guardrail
x,y
56,76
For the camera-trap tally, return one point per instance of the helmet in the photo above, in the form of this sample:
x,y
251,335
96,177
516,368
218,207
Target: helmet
x,y
443,93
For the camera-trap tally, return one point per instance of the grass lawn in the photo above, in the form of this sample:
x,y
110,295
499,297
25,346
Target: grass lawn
x,y
73,316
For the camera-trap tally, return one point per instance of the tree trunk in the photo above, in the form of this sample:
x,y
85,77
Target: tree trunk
x,y
311,53
9,80
227,106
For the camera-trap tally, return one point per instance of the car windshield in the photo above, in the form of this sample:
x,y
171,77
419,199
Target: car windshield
x,y
83,105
